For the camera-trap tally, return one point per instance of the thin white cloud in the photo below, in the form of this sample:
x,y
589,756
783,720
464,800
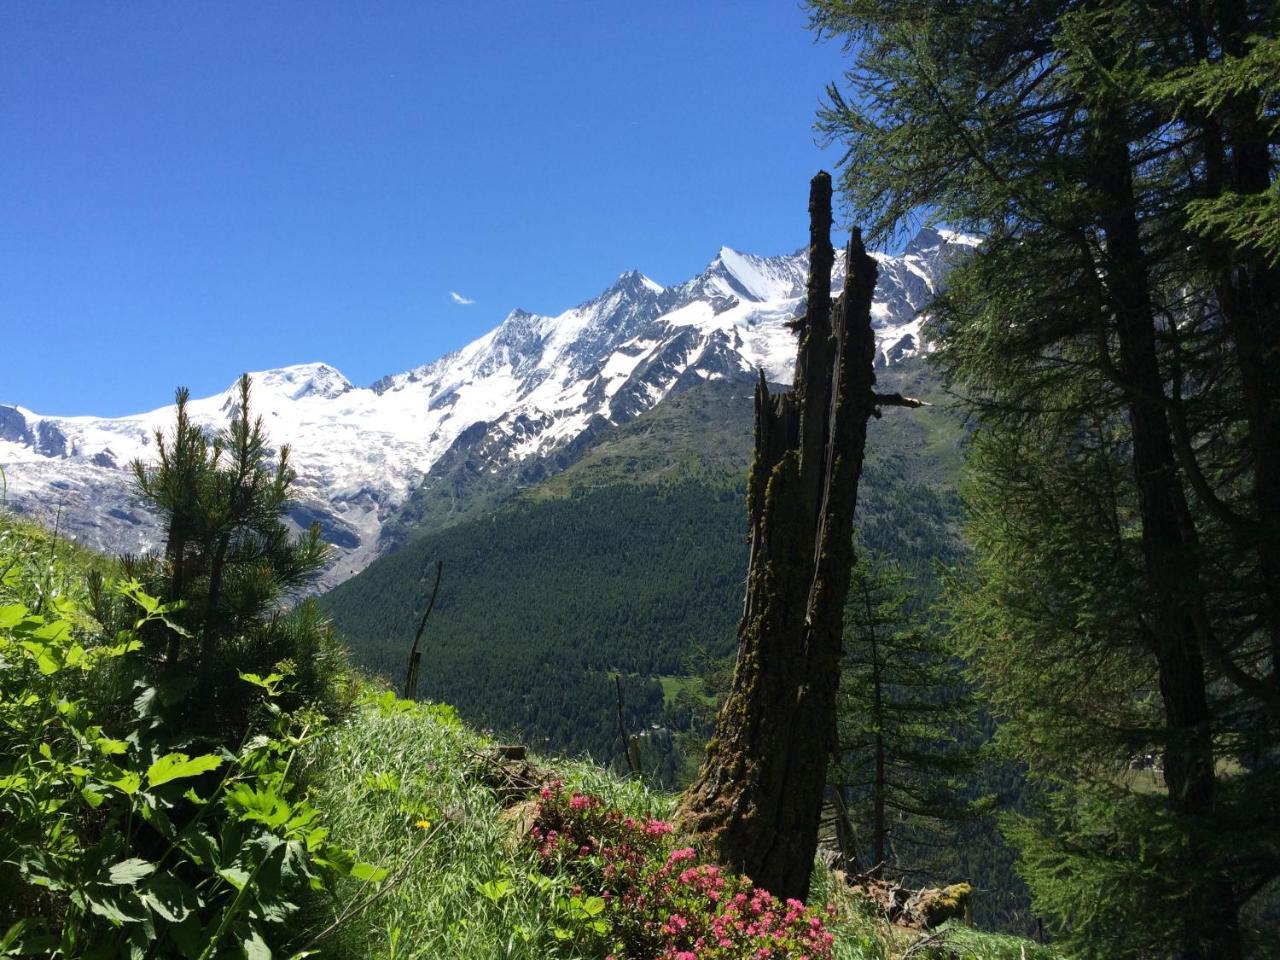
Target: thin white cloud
x,y
460,299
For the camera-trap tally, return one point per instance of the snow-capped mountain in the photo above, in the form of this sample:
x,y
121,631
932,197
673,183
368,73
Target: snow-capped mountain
x,y
533,387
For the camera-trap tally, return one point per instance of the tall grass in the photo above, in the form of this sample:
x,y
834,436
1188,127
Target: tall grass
x,y
465,888
471,892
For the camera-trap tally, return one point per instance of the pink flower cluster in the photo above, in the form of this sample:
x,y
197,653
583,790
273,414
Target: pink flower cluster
x,y
661,902
577,833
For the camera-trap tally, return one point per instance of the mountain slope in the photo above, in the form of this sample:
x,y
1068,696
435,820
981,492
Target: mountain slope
x,y
630,560
514,406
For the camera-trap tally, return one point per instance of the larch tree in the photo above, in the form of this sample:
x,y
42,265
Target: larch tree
x,y
1116,334
905,714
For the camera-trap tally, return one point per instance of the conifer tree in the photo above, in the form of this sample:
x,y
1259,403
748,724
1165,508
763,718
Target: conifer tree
x,y
232,564
904,711
1116,333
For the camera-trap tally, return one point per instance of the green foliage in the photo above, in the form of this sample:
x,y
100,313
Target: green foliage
x,y
1243,220
657,900
463,884
544,602
906,727
120,837
148,725
1115,334
231,572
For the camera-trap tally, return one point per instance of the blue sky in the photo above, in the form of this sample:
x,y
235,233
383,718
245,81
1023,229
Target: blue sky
x,y
189,190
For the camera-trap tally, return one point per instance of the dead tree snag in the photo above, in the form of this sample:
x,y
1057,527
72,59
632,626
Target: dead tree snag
x,y
758,797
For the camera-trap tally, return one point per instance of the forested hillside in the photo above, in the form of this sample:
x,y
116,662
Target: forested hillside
x,y
632,560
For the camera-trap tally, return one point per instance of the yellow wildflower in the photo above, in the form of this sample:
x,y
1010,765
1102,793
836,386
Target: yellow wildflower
x,y
423,824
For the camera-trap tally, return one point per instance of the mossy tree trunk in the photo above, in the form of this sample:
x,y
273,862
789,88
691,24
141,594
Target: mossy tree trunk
x,y
757,799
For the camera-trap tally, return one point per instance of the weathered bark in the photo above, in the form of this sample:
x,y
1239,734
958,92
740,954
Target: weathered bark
x,y
757,800
917,909
1178,622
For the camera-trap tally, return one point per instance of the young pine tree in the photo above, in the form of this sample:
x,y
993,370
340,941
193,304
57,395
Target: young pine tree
x,y
904,728
235,568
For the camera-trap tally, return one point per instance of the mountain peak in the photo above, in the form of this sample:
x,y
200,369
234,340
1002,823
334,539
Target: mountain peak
x,y
301,380
631,285
926,239
931,239
635,283
751,277
532,388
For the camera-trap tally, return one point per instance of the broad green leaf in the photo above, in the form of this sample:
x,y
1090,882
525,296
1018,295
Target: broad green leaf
x,y
188,936
260,805
45,660
368,872
130,871
11,614
255,948
109,747
385,781
266,683
147,602
127,783
199,845
169,897
127,644
495,890
53,630
234,876
114,909
176,766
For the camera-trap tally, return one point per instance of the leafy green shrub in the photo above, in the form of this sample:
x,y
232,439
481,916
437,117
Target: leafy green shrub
x,y
473,892
121,837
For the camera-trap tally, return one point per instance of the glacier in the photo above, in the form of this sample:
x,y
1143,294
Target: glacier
x,y
530,387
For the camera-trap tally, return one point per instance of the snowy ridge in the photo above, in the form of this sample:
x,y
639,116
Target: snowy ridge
x,y
532,386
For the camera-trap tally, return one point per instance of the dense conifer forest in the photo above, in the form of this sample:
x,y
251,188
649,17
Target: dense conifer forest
x,y
630,562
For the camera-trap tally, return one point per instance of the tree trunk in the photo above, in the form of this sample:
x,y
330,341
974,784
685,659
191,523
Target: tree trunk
x,y
1249,295
880,832
1177,617
757,800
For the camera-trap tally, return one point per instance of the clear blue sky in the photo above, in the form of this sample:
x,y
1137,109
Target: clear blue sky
x,y
189,190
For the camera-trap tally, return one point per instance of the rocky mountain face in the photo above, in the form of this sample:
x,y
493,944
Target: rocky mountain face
x,y
517,404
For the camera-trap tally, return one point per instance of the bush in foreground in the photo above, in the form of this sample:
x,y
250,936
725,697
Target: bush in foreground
x,y
120,835
658,901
